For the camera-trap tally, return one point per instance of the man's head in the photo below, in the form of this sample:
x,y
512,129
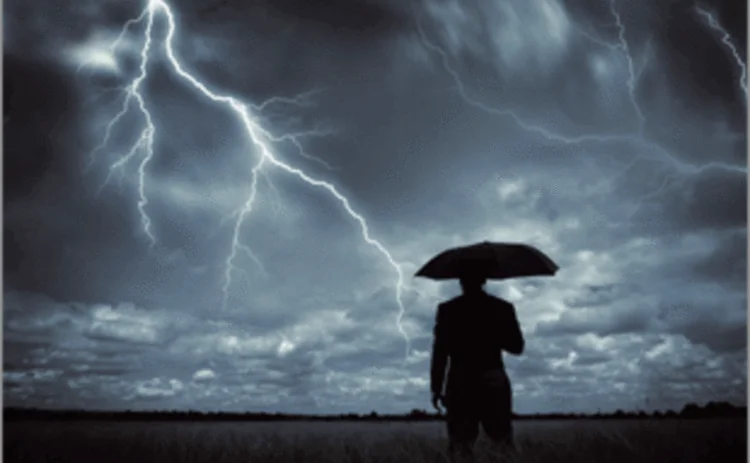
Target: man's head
x,y
472,284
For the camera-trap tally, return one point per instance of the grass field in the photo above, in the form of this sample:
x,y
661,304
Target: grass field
x,y
669,441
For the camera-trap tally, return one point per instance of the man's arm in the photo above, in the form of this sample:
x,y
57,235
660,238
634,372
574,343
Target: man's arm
x,y
514,342
439,354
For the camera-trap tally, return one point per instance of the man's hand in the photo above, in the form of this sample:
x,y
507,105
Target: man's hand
x,y
437,400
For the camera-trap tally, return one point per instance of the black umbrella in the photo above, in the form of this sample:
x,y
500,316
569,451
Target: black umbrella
x,y
494,261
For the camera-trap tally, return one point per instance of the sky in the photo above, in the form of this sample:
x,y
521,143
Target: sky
x,y
222,205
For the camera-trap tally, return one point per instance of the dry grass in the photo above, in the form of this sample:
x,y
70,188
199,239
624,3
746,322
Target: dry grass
x,y
538,442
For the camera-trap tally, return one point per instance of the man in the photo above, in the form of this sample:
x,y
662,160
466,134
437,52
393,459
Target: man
x,y
472,330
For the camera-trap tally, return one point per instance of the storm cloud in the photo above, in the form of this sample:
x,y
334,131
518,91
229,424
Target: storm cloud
x,y
601,134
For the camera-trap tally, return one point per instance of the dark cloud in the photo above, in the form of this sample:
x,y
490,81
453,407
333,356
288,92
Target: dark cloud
x,y
40,109
303,316
601,321
721,340
596,358
595,296
718,328
713,199
341,16
531,367
35,28
727,264
685,32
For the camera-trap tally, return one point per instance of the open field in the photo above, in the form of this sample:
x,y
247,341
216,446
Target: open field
x,y
665,441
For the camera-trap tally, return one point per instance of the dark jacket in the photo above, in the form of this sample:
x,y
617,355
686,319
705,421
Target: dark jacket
x,y
472,331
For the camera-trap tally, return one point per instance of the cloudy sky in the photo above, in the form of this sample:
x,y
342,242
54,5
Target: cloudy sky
x,y
173,259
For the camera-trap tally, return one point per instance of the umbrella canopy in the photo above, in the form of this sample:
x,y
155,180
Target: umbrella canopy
x,y
494,261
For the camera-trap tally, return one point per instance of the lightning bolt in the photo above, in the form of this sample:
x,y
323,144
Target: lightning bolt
x,y
123,33
548,134
597,40
726,39
631,82
637,139
259,137
146,140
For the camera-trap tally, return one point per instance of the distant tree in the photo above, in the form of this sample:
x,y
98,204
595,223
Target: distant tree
x,y
417,414
691,410
719,409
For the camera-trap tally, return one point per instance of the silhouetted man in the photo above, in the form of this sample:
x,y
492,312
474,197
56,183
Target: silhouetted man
x,y
472,330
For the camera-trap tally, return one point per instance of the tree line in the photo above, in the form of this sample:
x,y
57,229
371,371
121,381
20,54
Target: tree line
x,y
690,410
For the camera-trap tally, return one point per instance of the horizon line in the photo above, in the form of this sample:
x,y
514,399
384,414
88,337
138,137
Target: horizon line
x,y
687,407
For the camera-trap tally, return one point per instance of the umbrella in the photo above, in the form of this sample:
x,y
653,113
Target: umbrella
x,y
489,260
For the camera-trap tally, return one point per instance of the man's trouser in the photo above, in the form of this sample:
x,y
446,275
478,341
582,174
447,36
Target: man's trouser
x,y
472,399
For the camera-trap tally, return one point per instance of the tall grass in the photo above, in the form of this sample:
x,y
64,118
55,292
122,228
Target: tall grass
x,y
538,442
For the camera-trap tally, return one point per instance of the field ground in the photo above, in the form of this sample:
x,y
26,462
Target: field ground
x,y
665,441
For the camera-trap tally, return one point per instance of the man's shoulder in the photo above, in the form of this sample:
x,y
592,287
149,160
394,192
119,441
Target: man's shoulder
x,y
499,302
450,303
462,300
